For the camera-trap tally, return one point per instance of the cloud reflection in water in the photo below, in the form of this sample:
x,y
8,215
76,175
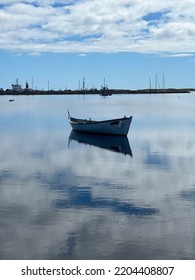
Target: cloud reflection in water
x,y
85,202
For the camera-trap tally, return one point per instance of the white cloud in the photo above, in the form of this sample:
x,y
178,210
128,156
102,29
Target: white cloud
x,y
178,54
34,54
98,26
82,54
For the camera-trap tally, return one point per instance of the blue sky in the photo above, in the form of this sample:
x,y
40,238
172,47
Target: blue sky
x,y
126,41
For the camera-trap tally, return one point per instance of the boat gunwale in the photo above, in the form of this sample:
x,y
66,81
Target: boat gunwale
x,y
88,121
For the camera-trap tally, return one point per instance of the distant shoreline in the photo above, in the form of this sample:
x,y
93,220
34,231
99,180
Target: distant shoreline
x,y
102,92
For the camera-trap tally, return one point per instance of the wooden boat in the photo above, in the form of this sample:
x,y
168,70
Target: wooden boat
x,y
114,143
112,127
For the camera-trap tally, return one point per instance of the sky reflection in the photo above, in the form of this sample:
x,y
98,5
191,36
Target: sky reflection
x,y
85,202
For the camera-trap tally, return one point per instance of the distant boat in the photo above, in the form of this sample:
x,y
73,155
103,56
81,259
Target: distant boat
x,y
11,100
104,93
114,143
16,87
112,127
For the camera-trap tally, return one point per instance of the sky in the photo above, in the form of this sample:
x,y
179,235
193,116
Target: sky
x,y
129,43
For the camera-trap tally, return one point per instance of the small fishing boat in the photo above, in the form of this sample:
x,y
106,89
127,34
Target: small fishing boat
x,y
112,127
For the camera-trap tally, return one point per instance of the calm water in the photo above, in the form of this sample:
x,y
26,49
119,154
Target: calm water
x,y
67,197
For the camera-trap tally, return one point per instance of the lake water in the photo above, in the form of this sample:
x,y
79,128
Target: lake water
x,y
67,197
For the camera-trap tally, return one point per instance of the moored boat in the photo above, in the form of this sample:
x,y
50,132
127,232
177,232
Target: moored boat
x,y
113,126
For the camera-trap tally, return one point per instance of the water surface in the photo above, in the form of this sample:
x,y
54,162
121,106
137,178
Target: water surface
x,y
63,196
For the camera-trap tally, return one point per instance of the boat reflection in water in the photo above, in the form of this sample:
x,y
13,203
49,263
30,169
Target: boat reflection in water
x,y
118,144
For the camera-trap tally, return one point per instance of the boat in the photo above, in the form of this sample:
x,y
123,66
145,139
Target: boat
x,y
16,87
113,127
114,143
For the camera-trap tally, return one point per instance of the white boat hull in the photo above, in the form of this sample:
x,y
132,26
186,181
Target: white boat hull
x,y
112,127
